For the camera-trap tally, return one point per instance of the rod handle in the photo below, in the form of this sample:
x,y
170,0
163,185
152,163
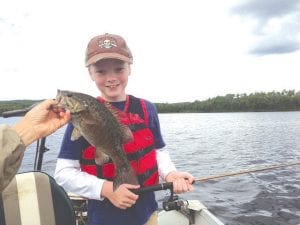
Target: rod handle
x,y
158,187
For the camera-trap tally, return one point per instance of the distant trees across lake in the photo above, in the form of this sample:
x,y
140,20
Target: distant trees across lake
x,y
15,104
255,102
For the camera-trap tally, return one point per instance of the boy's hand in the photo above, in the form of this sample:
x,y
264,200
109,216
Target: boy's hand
x,y
182,181
122,197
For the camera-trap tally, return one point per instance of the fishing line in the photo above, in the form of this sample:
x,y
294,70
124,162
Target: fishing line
x,y
169,185
203,179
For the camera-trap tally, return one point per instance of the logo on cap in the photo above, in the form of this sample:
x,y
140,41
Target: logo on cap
x,y
107,43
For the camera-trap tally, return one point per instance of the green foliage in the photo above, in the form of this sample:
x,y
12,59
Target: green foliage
x,y
15,104
255,102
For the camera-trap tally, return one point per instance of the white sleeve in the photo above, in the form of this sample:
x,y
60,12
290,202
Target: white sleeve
x,y
164,162
69,175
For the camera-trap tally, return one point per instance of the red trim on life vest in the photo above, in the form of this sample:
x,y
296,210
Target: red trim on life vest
x,y
89,153
108,170
147,162
142,138
91,169
126,104
141,166
153,179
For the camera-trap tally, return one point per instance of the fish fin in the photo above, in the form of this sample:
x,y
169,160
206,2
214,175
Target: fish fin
x,y
111,109
116,113
127,135
124,175
76,134
100,157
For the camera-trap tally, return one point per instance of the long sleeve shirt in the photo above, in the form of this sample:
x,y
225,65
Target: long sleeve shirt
x,y
11,155
69,175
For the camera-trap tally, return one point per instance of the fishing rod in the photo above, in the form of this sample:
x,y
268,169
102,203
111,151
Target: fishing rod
x,y
169,185
245,171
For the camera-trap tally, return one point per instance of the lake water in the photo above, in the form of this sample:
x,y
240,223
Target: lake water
x,y
217,143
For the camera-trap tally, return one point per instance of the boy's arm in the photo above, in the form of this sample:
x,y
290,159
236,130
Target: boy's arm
x,y
69,175
164,162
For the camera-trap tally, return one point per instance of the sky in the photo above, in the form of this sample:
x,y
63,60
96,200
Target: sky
x,y
183,50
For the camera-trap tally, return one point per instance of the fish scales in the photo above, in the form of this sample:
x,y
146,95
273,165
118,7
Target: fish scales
x,y
99,125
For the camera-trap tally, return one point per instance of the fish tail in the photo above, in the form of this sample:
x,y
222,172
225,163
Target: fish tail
x,y
125,175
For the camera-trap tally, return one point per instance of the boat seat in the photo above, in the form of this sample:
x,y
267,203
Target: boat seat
x,y
34,198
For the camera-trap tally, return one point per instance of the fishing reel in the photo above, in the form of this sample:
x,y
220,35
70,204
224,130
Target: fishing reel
x,y
172,202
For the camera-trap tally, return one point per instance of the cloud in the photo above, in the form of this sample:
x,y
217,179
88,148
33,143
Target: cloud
x,y
268,46
267,8
277,25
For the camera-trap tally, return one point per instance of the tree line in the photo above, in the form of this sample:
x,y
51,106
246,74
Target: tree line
x,y
286,100
15,105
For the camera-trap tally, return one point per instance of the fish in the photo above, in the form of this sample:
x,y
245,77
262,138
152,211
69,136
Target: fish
x,y
99,124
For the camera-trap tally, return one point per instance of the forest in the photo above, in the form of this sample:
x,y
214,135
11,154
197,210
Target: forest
x,y
286,100
15,104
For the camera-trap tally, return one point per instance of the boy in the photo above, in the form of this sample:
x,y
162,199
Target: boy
x,y
108,60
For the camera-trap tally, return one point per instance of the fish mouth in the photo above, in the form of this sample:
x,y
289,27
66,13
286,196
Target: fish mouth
x,y
60,98
58,107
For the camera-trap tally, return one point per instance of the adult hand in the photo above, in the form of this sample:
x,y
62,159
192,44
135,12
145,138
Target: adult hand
x,y
42,120
182,181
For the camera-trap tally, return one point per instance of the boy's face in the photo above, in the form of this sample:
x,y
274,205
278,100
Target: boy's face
x,y
111,77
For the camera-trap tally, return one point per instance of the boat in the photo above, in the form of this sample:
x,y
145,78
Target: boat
x,y
34,198
175,211
190,212
193,212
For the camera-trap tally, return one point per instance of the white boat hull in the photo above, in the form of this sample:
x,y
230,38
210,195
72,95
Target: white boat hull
x,y
191,212
198,216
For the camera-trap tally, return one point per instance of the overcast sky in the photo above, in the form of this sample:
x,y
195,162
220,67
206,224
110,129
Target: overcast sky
x,y
183,50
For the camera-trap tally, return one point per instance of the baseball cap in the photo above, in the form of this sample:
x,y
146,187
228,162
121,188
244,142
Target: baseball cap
x,y
107,46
